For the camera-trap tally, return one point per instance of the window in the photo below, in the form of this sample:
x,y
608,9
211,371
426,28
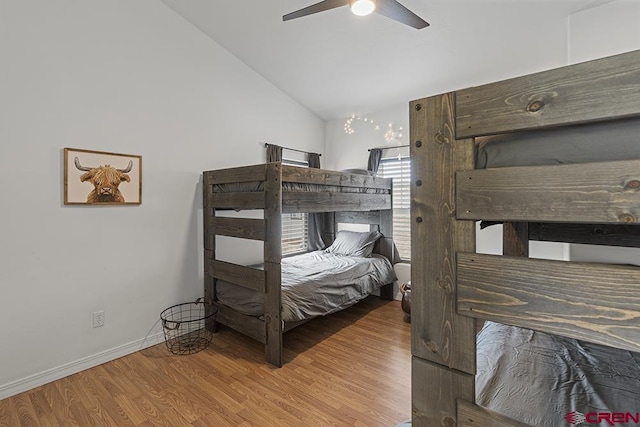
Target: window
x,y
294,225
399,169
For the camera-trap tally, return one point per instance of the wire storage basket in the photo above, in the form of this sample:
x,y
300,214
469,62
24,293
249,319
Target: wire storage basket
x,y
188,327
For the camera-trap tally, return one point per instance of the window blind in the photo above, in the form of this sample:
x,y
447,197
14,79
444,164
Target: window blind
x,y
399,169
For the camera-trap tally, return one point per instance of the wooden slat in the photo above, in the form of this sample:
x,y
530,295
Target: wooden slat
x,y
590,234
471,415
367,217
607,192
439,334
248,200
247,277
239,174
579,93
323,202
599,303
435,390
248,325
327,177
245,228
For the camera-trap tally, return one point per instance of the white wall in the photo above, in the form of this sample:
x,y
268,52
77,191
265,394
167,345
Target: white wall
x,y
620,24
119,76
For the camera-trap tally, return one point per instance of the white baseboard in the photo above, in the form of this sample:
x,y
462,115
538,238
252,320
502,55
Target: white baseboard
x,y
44,377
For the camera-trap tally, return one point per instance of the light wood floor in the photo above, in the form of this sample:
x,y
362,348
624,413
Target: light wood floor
x,y
349,369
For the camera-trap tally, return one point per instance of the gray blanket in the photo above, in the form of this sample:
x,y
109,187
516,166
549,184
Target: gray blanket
x,y
314,284
538,378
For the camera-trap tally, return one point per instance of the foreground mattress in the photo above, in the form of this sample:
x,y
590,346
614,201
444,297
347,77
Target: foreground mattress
x,y
314,284
538,378
598,142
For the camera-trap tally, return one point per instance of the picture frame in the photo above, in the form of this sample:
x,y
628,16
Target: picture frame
x,y
101,178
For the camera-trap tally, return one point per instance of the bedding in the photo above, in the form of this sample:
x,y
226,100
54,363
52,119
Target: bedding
x,y
314,284
539,378
596,142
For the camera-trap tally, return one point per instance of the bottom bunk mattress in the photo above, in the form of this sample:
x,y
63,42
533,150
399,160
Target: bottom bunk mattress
x,y
314,284
546,380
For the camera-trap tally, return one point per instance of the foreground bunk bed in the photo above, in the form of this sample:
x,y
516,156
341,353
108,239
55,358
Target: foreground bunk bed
x,y
552,156
265,300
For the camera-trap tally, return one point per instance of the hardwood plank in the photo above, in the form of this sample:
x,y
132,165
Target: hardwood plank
x,y
239,174
590,234
599,303
328,177
244,228
229,383
435,390
243,200
298,201
247,277
439,333
590,91
605,192
471,415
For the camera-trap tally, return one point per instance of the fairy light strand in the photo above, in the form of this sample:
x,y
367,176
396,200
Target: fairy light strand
x,y
390,134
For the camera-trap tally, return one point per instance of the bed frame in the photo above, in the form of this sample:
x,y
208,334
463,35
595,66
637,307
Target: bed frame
x,y
593,203
274,200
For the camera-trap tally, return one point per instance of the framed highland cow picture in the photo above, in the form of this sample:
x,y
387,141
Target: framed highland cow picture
x,y
99,178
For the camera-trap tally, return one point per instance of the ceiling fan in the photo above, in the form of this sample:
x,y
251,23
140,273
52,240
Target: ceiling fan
x,y
389,8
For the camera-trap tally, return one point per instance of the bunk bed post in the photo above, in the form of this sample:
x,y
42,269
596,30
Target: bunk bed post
x,y
272,267
515,239
443,342
387,249
209,251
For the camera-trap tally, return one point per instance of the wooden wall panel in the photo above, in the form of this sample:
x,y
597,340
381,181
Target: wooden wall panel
x,y
599,303
579,93
439,334
607,192
435,390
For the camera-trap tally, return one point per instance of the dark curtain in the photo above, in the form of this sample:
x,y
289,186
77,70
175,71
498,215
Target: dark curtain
x,y
375,155
316,220
274,153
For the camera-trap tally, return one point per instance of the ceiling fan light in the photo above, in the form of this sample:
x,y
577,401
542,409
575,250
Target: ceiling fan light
x,y
363,7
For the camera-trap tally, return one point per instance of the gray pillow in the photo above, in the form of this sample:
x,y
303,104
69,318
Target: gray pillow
x,y
353,243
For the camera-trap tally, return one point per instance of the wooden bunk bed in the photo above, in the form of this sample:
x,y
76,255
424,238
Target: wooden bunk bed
x,y
592,203
276,189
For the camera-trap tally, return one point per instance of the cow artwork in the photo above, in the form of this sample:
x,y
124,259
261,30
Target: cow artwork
x,y
105,180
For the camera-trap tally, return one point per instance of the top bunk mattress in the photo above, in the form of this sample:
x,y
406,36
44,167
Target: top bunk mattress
x,y
596,142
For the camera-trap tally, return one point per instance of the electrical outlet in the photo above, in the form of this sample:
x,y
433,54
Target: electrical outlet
x,y
98,318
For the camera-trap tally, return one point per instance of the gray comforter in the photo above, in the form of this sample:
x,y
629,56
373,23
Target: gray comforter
x,y
538,378
315,284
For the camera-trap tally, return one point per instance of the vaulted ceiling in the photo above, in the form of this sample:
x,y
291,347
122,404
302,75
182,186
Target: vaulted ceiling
x,y
336,64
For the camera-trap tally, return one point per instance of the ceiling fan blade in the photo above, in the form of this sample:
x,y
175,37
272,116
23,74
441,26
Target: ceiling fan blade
x,y
394,10
315,8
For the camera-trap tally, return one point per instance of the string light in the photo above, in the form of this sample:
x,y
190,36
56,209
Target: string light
x,y
390,134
